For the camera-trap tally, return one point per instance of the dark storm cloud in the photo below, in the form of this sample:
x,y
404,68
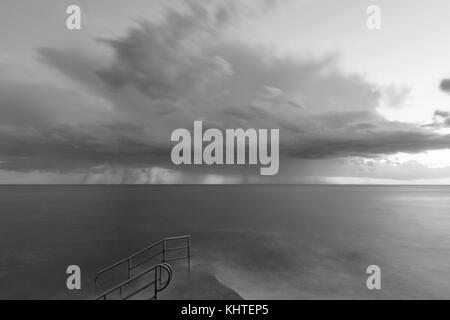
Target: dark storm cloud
x,y
68,148
161,61
368,140
121,109
445,85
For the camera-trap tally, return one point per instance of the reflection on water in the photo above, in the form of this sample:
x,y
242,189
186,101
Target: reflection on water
x,y
290,242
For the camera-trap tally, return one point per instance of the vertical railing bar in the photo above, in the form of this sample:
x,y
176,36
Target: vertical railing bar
x,y
156,283
189,253
164,251
159,276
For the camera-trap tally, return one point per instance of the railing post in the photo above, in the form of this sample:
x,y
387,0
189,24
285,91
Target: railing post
x,y
129,268
164,251
156,282
189,253
159,275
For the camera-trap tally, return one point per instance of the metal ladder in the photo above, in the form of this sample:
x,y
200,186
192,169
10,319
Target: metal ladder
x,y
157,281
163,252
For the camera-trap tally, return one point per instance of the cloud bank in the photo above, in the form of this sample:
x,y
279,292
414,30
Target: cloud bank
x,y
117,111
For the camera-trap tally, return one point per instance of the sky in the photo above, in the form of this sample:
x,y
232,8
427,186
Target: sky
x,y
98,105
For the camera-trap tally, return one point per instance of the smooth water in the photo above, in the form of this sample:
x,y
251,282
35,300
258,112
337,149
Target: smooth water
x,y
274,242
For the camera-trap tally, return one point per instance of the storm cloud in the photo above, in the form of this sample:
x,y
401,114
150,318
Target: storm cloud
x,y
445,85
119,109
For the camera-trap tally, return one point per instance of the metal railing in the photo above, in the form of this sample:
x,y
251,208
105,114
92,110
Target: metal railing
x,y
158,278
164,248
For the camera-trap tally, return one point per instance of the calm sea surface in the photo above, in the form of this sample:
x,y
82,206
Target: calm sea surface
x,y
275,242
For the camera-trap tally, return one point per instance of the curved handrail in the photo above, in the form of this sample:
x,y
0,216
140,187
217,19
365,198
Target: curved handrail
x,y
155,269
162,251
124,260
169,276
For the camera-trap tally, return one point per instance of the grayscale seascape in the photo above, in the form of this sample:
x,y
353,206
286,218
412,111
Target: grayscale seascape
x,y
263,242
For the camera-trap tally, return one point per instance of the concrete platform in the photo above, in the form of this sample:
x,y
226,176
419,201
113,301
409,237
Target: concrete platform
x,y
197,284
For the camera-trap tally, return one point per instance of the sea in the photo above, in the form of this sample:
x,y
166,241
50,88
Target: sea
x,y
261,241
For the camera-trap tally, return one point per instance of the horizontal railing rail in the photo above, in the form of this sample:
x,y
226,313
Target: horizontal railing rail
x,y
164,248
157,279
